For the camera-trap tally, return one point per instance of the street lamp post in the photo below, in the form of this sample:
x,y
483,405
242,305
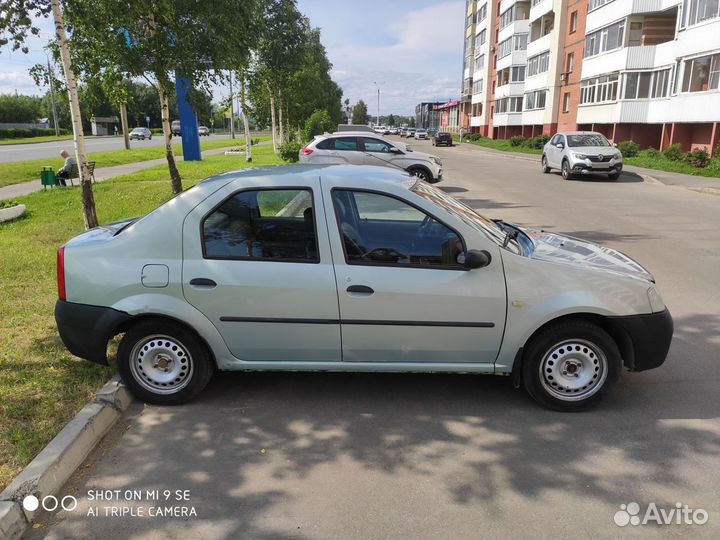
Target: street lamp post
x,y
378,103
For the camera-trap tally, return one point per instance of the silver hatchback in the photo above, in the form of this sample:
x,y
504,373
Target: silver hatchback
x,y
581,153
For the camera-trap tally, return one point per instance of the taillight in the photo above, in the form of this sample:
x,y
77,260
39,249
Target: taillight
x,y
62,295
307,151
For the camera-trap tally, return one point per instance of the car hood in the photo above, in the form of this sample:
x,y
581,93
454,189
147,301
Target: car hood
x,y
595,150
574,251
419,155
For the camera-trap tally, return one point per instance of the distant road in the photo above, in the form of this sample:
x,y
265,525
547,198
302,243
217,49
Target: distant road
x,y
24,152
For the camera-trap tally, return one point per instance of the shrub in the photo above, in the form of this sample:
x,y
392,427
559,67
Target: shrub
x,y
318,123
537,142
674,152
698,158
22,133
472,137
290,151
629,148
517,140
652,152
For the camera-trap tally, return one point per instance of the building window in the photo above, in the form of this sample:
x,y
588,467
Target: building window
x,y
566,102
701,74
509,105
535,100
482,13
519,12
573,22
511,74
482,37
538,64
477,86
599,89
697,11
477,109
594,4
606,39
480,62
570,62
647,84
518,42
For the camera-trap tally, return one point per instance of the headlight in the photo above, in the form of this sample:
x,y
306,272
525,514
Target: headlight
x,y
436,161
579,156
656,301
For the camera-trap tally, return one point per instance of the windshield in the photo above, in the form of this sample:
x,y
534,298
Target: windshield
x,y
460,210
587,139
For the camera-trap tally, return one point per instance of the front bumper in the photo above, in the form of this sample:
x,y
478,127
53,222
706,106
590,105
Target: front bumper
x,y
85,330
650,335
590,167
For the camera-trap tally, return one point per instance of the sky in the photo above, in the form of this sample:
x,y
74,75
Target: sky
x,y
410,49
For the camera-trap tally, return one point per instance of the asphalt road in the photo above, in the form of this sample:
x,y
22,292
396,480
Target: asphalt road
x,y
23,152
450,456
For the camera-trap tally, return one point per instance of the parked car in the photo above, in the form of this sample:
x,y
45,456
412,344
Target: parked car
x,y
175,127
442,138
410,133
431,132
347,268
420,134
393,131
140,134
581,152
203,131
355,127
364,149
402,131
380,130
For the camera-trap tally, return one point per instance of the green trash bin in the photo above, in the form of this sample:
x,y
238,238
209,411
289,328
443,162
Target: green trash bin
x,y
47,177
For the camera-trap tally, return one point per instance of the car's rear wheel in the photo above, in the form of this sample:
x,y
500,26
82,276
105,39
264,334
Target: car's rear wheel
x,y
565,170
570,365
545,168
163,362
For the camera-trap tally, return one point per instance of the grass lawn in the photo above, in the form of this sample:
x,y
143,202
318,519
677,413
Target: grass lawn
x,y
500,144
25,171
41,385
661,163
31,140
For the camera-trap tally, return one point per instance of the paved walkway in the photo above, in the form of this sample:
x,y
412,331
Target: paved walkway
x,y
102,174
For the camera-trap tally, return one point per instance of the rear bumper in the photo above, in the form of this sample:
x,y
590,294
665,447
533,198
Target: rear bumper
x,y
85,330
650,335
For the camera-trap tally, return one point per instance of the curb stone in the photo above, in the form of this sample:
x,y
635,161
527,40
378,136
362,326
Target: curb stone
x,y
51,468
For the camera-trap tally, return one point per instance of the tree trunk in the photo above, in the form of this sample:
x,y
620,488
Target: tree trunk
x,y
124,124
88,199
281,126
273,124
175,179
232,109
246,122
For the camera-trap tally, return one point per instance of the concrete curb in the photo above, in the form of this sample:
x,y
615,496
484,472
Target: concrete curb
x,y
53,466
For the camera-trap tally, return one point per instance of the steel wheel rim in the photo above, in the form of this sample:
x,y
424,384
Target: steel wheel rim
x,y
573,370
161,364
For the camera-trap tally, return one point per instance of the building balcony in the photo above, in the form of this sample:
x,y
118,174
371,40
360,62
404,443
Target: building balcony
x,y
640,57
517,27
539,45
510,89
536,82
539,8
613,11
515,58
508,119
688,107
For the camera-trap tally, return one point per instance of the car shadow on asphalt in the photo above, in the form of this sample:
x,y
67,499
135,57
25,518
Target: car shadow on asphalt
x,y
626,177
254,442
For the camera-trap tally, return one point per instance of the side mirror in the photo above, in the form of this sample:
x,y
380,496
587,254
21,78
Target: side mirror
x,y
394,150
615,144
477,259
560,145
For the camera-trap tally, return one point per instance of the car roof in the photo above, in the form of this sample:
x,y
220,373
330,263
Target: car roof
x,y
578,133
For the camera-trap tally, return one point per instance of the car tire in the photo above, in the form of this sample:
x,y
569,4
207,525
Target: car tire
x,y
614,176
565,170
422,174
570,365
545,168
163,362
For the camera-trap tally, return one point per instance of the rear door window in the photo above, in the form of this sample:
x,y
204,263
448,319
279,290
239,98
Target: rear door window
x,y
347,144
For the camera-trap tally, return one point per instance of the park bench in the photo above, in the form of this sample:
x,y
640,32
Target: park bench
x,y
75,172
49,178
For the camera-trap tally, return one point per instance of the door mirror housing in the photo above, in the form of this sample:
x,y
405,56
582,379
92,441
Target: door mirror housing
x,y
615,144
394,150
560,145
477,259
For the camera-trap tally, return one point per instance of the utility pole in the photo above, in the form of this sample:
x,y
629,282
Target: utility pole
x,y
378,103
52,97
232,108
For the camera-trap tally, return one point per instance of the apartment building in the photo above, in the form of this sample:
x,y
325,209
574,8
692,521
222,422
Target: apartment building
x,y
646,70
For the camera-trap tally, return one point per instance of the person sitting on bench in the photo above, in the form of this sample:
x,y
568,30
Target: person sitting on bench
x,y
64,173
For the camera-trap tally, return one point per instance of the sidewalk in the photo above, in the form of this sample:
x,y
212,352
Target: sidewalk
x,y
689,181
105,173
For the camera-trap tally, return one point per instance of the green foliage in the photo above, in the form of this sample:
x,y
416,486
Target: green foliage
x,y
360,113
290,151
653,152
472,137
629,148
23,133
318,123
8,203
19,109
674,152
537,142
517,140
699,158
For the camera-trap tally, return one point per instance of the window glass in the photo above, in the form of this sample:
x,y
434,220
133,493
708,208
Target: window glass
x,y
263,224
379,229
701,74
375,145
346,143
326,144
587,139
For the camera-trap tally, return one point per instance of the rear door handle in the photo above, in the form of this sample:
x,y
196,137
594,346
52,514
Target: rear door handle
x,y
362,289
202,282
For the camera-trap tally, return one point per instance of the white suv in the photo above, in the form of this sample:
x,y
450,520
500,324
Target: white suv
x,y
361,148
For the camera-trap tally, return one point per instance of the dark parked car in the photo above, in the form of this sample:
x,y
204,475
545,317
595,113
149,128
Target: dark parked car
x,y
442,137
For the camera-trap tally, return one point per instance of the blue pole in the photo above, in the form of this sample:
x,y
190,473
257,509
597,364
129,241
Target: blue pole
x,y
188,121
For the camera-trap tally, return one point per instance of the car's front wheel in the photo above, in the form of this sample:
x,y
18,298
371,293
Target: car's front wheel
x,y
544,165
570,365
565,170
422,174
163,362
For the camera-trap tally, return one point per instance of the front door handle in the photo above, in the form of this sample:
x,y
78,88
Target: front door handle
x,y
362,289
202,282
